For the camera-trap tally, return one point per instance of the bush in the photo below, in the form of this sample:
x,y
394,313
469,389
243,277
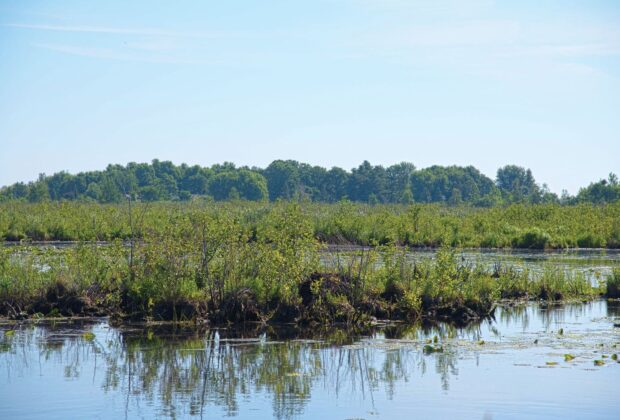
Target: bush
x,y
533,239
591,240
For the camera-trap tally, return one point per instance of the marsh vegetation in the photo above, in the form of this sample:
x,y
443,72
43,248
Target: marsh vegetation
x,y
543,226
267,263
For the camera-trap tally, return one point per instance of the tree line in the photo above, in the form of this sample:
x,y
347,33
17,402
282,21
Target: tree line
x,y
292,180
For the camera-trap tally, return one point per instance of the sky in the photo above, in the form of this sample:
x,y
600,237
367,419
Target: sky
x,y
327,82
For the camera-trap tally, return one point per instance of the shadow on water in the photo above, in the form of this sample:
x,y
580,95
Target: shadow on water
x,y
613,309
180,371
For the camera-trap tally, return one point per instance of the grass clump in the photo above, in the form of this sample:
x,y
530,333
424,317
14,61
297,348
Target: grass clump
x,y
612,287
551,284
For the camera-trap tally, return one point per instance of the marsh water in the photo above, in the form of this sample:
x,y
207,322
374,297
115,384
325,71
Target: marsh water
x,y
595,264
513,366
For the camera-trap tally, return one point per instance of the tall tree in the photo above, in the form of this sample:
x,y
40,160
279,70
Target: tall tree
x,y
283,179
517,184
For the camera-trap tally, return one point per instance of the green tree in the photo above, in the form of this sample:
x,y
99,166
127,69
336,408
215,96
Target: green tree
x,y
335,184
367,180
248,184
38,191
603,191
398,180
283,179
407,195
110,192
518,185
94,191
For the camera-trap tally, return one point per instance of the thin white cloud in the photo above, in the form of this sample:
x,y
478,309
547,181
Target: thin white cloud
x,y
154,45
567,50
153,55
475,33
111,54
503,49
117,31
514,37
418,9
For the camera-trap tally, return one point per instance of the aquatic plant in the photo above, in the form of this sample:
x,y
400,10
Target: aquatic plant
x,y
88,336
428,349
612,285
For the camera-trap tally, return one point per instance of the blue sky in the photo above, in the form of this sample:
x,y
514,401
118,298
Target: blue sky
x,y
329,82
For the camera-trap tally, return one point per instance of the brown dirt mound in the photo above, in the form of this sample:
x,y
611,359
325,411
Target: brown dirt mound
x,y
180,310
63,301
329,283
326,297
238,307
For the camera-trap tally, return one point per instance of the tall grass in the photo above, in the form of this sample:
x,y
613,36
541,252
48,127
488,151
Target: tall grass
x,y
427,225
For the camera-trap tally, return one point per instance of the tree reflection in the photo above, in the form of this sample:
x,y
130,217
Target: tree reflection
x,y
196,371
190,371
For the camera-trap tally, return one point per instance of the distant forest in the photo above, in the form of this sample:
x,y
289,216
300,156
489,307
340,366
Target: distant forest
x,y
292,180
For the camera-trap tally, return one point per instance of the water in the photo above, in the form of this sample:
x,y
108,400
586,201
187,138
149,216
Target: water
x,y
595,264
494,369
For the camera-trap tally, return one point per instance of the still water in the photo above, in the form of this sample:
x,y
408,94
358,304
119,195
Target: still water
x,y
595,264
513,366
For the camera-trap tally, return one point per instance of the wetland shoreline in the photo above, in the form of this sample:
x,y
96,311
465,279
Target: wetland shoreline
x,y
267,263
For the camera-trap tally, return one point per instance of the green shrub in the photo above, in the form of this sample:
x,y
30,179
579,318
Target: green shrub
x,y
532,239
591,240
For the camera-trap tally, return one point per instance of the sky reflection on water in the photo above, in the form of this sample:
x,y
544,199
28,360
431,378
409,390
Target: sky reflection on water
x,y
497,368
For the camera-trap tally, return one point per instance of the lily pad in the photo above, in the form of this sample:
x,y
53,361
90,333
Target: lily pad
x,y
428,349
88,336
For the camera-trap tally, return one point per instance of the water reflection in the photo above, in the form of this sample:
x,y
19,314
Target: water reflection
x,y
613,309
172,368
194,371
